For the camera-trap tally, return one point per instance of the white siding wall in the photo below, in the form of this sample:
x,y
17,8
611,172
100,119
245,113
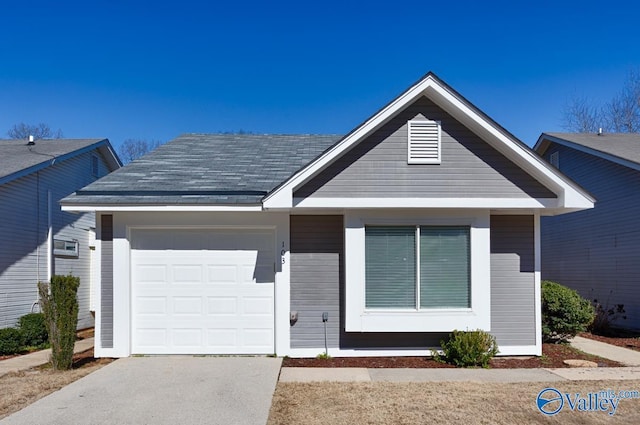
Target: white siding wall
x,y
23,236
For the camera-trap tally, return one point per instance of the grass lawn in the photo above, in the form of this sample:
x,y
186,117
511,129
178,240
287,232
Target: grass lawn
x,y
463,403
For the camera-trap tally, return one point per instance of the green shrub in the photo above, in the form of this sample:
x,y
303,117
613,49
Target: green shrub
x,y
10,341
60,307
34,330
465,349
564,312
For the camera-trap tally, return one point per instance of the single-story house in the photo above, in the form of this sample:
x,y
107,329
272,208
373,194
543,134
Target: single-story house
x,y
597,251
423,219
37,238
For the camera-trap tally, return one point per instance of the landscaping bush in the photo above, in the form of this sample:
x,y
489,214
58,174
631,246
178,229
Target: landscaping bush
x,y
33,329
60,307
10,341
606,317
564,312
465,349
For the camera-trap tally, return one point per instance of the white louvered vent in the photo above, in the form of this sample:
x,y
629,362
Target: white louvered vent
x,y
424,142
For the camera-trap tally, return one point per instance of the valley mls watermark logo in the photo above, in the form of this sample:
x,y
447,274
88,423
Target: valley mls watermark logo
x,y
550,401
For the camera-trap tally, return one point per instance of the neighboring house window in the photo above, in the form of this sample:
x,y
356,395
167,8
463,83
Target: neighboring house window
x,y
65,248
424,142
94,166
554,159
417,267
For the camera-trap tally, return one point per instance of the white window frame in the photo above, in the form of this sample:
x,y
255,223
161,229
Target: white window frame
x,y
358,318
412,127
71,248
417,228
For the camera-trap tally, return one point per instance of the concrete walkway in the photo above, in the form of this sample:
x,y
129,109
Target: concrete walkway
x,y
38,358
625,356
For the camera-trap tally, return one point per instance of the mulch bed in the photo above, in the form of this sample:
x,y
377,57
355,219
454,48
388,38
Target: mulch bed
x,y
627,341
553,356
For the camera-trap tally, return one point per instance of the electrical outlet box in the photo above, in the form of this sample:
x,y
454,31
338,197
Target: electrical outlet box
x,y
293,316
325,316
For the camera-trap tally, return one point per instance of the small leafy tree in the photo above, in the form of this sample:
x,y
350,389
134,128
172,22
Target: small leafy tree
x,y
564,312
60,307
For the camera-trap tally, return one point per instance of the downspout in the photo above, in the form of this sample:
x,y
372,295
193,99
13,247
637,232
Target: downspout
x,y
49,238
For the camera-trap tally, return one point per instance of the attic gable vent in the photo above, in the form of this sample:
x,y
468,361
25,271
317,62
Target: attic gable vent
x,y
424,142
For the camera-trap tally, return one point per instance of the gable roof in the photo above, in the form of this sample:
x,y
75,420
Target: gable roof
x,y
570,195
261,172
206,169
621,148
17,159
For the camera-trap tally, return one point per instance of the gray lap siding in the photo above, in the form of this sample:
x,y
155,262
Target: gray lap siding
x,y
596,251
513,314
377,166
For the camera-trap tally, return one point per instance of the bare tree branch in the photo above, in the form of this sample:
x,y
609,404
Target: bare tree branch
x,y
132,149
580,116
38,131
623,111
621,114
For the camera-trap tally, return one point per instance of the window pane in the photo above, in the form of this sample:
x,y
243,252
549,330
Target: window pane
x,y
444,267
390,259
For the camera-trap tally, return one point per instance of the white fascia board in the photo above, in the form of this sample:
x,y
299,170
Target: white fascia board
x,y
570,196
162,208
466,203
281,197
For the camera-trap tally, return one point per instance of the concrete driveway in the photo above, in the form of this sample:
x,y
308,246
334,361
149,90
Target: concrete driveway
x,y
163,390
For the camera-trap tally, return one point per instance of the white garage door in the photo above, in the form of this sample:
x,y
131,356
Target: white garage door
x,y
202,291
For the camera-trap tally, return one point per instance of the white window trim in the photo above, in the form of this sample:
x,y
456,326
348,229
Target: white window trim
x,y
74,253
360,319
417,283
410,141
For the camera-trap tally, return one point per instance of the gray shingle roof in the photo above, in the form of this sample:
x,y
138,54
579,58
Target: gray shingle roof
x,y
625,146
206,169
16,158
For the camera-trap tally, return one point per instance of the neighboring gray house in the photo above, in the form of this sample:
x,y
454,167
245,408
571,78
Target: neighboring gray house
x,y
422,220
597,251
37,239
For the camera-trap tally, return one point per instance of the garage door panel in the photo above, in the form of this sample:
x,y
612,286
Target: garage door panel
x,y
186,274
187,306
190,300
152,306
222,306
255,306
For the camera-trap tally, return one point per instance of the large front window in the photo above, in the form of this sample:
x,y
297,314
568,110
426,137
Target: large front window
x,y
417,267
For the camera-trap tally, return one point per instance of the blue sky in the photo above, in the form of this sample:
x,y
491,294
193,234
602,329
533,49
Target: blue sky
x,y
155,70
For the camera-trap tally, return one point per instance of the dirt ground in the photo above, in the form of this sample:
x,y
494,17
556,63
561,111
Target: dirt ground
x,y
553,356
23,388
627,341
440,403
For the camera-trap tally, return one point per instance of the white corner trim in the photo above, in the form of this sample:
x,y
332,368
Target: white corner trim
x,y
464,203
162,208
537,289
360,319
